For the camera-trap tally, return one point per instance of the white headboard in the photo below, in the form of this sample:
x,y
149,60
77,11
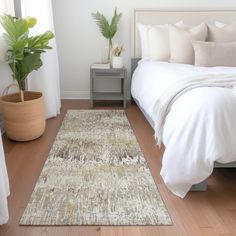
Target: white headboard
x,y
191,17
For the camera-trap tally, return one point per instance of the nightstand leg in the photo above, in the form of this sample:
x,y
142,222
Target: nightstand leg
x,y
122,86
91,88
125,90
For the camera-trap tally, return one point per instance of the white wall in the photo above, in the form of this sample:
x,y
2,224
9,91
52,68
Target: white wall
x,y
80,43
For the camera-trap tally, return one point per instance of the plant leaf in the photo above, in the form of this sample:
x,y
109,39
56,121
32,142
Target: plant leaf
x,y
102,24
114,23
30,63
31,21
40,41
106,29
15,29
23,54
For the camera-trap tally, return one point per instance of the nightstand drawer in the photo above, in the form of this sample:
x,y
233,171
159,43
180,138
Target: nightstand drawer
x,y
108,74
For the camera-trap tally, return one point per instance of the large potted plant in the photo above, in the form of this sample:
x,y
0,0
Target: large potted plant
x,y
23,112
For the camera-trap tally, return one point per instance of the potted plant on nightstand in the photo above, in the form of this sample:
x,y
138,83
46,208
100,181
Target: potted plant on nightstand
x,y
23,112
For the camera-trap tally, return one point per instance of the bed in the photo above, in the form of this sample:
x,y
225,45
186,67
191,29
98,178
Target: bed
x,y
191,153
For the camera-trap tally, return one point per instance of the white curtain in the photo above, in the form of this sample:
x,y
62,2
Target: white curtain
x,y
46,79
6,6
4,187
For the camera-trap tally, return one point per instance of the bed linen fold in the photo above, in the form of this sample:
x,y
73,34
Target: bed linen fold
x,y
163,105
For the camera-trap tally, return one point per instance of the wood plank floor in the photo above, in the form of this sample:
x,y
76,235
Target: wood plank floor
x,y
207,213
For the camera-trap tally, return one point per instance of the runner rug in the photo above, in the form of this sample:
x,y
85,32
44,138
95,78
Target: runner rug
x,y
95,174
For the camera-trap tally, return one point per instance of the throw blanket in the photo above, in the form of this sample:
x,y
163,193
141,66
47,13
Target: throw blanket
x,y
164,104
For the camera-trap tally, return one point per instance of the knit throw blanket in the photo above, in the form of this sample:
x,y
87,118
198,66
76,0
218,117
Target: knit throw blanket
x,y
167,99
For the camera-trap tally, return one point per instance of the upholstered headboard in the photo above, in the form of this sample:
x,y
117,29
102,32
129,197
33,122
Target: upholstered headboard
x,y
191,17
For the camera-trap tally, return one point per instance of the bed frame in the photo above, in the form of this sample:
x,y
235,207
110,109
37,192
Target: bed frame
x,y
157,16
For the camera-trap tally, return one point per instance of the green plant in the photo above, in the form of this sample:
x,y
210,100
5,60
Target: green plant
x,y
24,51
108,30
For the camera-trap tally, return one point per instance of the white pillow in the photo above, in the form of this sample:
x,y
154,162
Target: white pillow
x,y
157,35
158,41
189,26
215,54
181,48
182,25
143,40
224,33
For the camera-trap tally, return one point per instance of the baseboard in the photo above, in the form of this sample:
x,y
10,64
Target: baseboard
x,y
75,94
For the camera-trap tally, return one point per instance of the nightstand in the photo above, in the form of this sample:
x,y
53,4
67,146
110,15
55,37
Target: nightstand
x,y
112,74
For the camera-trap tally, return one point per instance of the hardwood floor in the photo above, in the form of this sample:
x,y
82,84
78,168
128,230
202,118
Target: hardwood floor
x,y
207,213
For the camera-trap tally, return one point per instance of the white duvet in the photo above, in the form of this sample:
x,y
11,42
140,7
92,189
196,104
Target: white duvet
x,y
200,128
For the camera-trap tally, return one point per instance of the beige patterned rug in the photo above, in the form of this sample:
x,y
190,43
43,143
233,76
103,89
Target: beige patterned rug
x,y
95,175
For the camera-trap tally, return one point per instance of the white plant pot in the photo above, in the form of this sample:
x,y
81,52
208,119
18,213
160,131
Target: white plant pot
x,y
117,62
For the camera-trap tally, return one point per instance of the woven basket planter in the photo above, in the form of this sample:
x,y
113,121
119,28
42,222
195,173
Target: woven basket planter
x,y
24,121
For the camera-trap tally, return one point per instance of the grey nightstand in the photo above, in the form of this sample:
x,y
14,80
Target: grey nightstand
x,y
99,74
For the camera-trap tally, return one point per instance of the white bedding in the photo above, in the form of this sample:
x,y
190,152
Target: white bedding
x,y
200,128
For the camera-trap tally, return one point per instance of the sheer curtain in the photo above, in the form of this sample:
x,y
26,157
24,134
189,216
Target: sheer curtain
x,y
4,187
46,79
7,7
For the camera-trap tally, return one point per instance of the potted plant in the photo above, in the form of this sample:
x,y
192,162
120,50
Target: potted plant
x,y
117,60
108,30
23,112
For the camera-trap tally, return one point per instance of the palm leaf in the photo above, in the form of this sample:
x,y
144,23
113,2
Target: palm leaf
x,y
114,23
107,30
102,24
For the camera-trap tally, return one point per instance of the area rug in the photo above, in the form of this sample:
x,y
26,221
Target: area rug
x,y
95,174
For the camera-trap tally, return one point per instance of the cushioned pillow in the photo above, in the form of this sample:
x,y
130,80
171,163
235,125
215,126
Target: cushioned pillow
x,y
142,29
158,34
181,48
225,33
158,40
215,54
189,26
